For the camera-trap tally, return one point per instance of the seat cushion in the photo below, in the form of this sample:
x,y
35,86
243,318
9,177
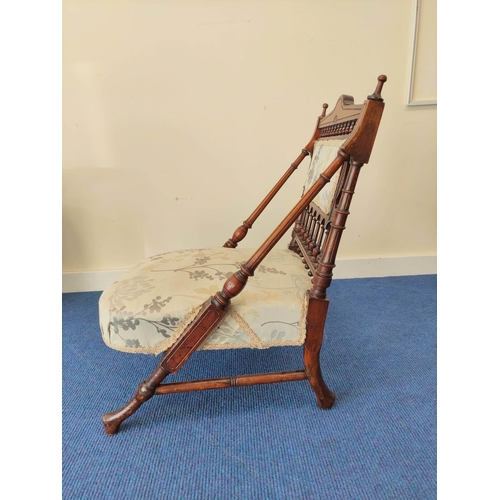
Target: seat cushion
x,y
149,307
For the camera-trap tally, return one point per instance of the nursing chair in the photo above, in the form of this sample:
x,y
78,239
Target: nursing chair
x,y
227,298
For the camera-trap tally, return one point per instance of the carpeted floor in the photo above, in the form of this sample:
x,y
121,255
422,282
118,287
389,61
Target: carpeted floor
x,y
264,442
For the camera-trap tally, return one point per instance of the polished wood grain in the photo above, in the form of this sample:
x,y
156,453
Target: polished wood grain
x,y
206,321
323,276
144,392
226,382
316,317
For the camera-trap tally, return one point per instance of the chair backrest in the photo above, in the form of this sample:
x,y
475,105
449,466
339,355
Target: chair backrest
x,y
319,218
317,231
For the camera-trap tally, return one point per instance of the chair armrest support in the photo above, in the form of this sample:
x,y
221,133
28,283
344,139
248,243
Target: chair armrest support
x,y
242,230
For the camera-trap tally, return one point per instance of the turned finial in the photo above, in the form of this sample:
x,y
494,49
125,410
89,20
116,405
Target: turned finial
x,y
376,95
325,107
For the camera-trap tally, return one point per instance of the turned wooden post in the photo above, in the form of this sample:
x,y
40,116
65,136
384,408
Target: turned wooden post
x,y
323,275
145,391
242,230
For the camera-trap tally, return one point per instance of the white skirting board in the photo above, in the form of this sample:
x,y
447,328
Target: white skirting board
x,y
347,268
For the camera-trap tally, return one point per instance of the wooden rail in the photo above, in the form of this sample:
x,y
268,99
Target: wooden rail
x,y
223,383
242,230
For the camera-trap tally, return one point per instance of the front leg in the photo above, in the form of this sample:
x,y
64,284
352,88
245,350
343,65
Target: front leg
x,y
144,392
207,320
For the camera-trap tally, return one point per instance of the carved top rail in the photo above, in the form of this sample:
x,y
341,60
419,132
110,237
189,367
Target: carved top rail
x,y
341,121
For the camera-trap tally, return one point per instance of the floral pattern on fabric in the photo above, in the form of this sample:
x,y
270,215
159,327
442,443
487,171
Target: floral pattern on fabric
x,y
324,153
148,309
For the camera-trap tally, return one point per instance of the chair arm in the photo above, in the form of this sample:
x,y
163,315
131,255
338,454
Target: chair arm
x,y
241,231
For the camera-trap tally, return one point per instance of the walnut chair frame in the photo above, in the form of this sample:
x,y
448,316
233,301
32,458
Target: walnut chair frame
x,y
315,237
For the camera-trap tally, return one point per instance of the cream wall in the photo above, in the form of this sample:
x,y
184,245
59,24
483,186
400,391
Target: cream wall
x,y
179,116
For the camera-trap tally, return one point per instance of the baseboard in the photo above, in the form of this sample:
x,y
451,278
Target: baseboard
x,y
346,268
385,266
89,281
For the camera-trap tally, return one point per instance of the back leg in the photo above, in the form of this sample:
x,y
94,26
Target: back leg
x,y
324,395
316,315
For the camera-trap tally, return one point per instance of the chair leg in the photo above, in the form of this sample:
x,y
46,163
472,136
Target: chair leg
x,y
207,320
316,315
144,392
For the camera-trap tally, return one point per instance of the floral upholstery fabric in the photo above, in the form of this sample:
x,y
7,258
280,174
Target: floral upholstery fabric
x,y
324,153
148,308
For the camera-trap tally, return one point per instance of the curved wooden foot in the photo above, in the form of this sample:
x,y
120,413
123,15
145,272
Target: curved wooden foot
x,y
316,315
324,395
113,419
144,392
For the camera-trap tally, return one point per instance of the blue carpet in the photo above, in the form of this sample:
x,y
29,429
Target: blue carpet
x,y
269,441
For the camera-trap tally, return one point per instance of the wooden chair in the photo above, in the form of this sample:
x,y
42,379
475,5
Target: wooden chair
x,y
178,302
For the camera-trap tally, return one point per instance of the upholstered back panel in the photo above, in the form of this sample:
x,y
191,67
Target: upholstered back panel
x,y
325,151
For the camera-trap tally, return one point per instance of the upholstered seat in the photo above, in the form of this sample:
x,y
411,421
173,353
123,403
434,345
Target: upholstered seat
x,y
148,309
